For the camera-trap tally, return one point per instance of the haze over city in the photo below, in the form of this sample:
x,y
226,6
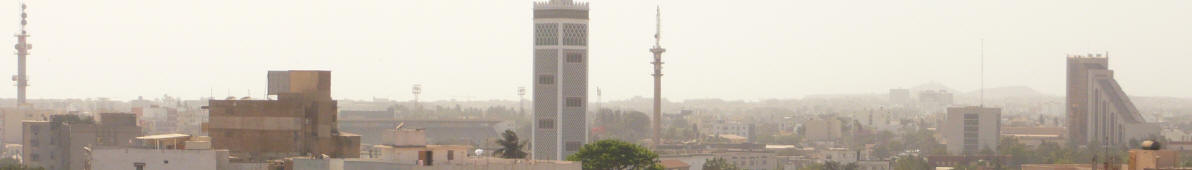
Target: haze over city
x,y
598,85
475,49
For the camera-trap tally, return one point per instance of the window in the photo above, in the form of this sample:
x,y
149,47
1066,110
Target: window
x,y
33,157
546,79
575,34
546,123
546,34
450,155
34,142
572,146
575,102
575,58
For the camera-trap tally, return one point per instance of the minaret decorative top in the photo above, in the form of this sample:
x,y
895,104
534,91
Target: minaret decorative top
x,y
561,4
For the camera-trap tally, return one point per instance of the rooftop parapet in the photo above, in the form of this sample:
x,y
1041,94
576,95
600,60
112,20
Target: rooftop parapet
x,y
561,4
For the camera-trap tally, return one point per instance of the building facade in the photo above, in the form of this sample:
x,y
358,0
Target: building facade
x,y
560,78
167,151
301,121
1098,110
747,130
60,142
751,160
823,129
969,130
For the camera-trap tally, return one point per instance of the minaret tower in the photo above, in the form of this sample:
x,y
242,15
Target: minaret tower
x,y
22,51
658,50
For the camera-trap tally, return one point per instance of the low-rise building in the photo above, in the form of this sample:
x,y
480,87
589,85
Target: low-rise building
x,y
168,151
1035,136
62,142
722,128
823,129
970,130
752,160
671,164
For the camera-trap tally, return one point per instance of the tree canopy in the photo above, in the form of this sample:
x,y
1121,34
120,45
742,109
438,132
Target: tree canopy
x,y
719,164
615,155
511,146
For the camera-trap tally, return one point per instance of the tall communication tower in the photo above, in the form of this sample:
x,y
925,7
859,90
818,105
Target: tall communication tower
x,y
22,51
658,50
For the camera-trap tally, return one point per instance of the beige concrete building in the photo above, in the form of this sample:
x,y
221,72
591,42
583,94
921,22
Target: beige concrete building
x,y
823,129
60,142
969,130
1035,136
1098,110
162,152
13,118
752,160
300,122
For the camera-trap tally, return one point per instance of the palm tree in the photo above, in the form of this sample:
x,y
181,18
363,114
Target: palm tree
x,y
511,146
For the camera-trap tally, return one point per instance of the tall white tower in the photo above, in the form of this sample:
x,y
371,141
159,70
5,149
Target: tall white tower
x,y
657,50
22,51
560,78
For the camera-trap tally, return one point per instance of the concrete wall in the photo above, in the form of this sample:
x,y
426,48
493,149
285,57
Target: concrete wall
x,y
124,158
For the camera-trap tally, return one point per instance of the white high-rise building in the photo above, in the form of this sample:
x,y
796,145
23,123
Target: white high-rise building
x,y
560,78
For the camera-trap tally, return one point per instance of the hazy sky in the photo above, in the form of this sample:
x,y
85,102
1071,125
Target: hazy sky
x,y
481,49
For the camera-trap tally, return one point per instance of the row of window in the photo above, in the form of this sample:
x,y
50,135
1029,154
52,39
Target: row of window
x,y
573,34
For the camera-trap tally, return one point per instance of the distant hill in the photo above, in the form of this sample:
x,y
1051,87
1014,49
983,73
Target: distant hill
x,y
1007,92
932,86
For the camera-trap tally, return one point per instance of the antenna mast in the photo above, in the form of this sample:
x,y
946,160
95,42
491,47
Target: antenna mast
x,y
981,77
657,50
22,51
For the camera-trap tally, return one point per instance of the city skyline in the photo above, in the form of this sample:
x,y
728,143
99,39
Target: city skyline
x,y
379,49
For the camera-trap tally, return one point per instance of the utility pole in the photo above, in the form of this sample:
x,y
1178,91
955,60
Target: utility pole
x,y
658,50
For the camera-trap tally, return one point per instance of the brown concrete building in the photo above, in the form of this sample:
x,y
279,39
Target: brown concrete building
x,y
60,143
1098,110
300,122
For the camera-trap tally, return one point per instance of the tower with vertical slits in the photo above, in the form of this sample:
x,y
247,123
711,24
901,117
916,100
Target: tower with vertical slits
x,y
560,78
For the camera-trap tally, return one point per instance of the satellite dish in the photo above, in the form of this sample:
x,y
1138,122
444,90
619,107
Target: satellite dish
x,y
479,152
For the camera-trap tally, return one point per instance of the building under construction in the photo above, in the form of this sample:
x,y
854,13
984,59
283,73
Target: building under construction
x,y
300,122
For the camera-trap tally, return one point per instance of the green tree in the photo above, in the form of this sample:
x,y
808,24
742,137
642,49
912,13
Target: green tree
x,y
833,165
910,163
19,167
511,146
615,155
813,166
719,164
